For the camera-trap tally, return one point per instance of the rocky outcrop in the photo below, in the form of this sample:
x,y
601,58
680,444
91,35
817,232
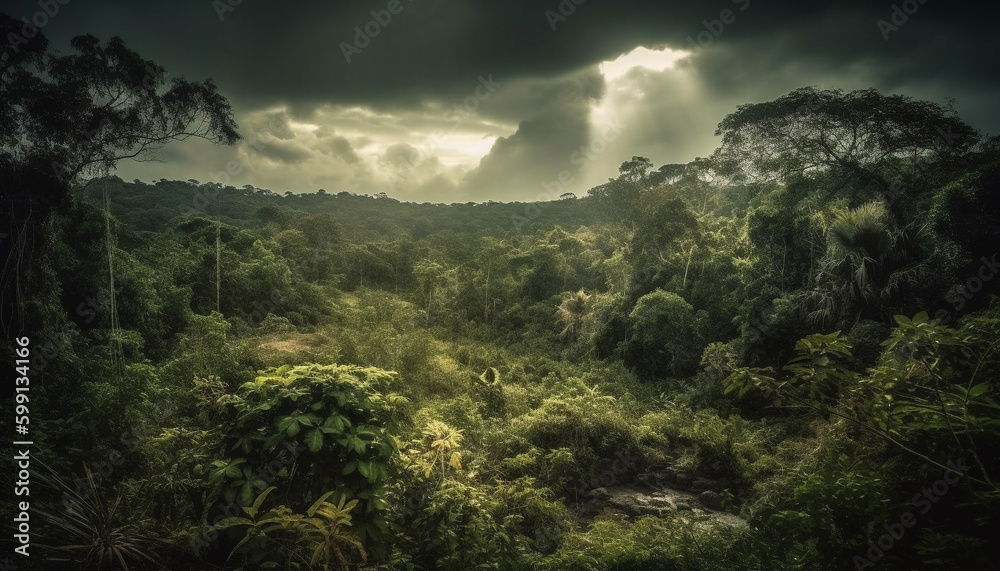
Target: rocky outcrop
x,y
655,497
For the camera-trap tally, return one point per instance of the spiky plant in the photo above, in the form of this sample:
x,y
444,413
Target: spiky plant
x,y
89,529
572,311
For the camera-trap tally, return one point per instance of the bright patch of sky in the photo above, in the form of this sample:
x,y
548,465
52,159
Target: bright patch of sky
x,y
653,60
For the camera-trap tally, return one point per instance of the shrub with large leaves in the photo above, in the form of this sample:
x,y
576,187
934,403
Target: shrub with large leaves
x,y
340,423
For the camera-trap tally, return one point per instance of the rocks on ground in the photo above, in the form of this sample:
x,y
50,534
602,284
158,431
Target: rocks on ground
x,y
656,496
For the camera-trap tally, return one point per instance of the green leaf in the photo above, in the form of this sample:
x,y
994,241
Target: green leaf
x,y
367,434
334,424
253,510
309,419
246,493
314,440
284,422
312,509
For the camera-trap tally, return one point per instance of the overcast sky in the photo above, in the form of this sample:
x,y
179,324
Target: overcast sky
x,y
463,100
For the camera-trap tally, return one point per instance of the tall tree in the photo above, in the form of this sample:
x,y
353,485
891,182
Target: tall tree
x,y
883,144
66,117
620,196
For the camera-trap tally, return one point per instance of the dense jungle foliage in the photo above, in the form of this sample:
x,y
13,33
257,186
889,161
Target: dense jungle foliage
x,y
782,356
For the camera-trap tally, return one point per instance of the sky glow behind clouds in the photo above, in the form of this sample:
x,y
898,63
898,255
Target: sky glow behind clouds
x,y
458,100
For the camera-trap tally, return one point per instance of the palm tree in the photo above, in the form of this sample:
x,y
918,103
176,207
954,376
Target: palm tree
x,y
866,263
571,312
859,242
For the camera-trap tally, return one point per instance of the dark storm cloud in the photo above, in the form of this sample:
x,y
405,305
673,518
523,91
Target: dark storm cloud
x,y
516,166
407,71
939,42
264,52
